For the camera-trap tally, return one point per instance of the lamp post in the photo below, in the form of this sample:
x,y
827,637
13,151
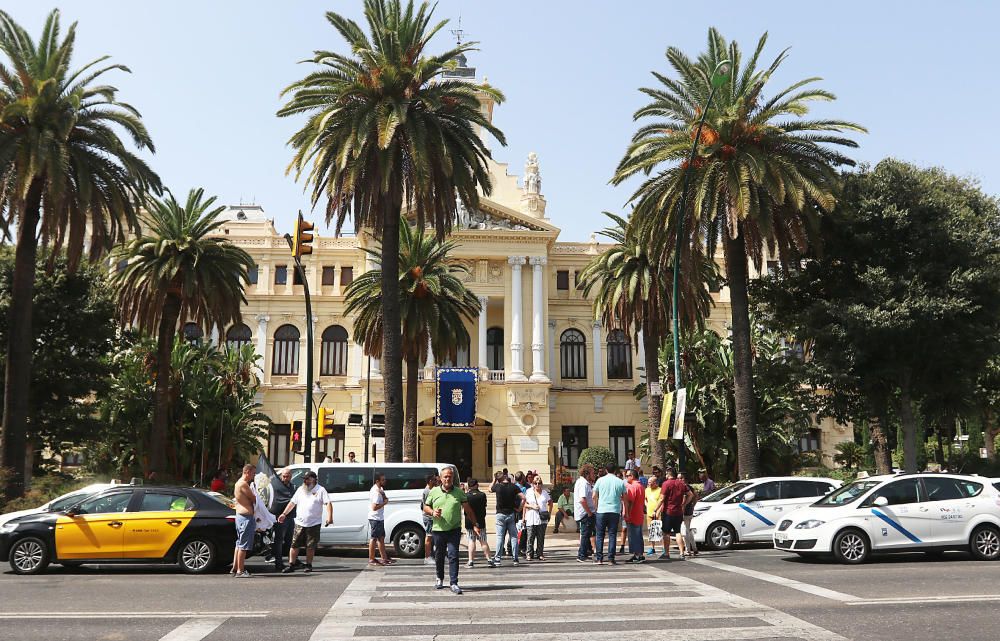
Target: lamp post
x,y
368,408
719,76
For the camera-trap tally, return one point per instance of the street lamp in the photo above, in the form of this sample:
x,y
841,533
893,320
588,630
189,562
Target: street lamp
x,y
719,76
318,395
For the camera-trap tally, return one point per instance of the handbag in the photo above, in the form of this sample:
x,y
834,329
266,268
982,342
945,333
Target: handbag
x,y
656,530
543,516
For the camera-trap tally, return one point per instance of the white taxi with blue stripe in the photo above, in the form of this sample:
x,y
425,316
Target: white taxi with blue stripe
x,y
931,513
748,510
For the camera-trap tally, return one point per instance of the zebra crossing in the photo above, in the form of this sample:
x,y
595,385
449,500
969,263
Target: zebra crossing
x,y
557,600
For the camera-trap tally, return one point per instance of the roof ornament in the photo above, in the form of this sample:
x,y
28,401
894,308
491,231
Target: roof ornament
x,y
532,177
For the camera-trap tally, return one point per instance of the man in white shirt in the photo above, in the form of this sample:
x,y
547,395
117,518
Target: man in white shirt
x,y
585,512
632,461
376,521
310,502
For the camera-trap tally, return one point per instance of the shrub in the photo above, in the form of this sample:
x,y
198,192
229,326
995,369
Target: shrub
x,y
597,456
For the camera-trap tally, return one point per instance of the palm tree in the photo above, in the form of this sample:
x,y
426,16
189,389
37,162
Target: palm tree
x,y
629,292
385,130
67,180
435,305
177,271
761,177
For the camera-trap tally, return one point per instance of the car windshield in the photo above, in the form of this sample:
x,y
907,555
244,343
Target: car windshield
x,y
846,494
64,502
725,492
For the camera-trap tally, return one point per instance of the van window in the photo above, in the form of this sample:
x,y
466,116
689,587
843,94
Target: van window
x,y
898,493
337,480
949,489
803,489
406,478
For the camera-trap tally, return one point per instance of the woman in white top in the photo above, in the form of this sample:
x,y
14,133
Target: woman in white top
x,y
537,508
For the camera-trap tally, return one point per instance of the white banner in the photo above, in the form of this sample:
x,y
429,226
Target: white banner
x,y
679,417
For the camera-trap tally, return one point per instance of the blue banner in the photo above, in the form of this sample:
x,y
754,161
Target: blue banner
x,y
456,396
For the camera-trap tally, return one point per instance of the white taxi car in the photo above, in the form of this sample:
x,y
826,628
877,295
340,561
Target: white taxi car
x,y
898,513
748,510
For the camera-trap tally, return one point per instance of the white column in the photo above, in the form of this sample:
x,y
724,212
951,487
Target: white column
x,y
537,314
516,305
214,336
641,351
552,350
483,363
262,345
429,364
598,372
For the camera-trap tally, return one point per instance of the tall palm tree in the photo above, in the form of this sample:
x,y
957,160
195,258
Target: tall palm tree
x,y
762,175
67,180
177,271
386,129
435,305
629,293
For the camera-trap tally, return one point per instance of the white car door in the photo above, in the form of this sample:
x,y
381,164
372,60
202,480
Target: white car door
x,y
348,486
759,508
898,515
952,502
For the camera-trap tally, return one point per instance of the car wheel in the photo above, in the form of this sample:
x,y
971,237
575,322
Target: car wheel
x,y
985,543
409,541
851,546
29,555
196,556
721,535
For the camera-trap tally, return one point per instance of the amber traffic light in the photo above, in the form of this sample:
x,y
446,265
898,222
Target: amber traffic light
x,y
324,423
302,239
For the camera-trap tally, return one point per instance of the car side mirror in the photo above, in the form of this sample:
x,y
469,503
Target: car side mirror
x,y
749,496
881,501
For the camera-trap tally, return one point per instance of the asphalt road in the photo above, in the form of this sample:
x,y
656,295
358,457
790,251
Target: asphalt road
x,y
755,593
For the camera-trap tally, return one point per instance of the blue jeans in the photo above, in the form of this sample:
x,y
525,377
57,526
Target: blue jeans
x,y
586,527
635,539
607,523
446,543
506,525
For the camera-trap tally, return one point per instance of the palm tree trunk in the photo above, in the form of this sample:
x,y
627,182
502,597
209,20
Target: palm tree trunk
x,y
746,410
392,340
20,339
410,426
654,404
909,425
880,445
161,396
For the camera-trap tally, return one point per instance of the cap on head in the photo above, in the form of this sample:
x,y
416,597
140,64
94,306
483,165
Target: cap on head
x,y
309,475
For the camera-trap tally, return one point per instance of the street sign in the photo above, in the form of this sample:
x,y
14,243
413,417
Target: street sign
x,y
655,389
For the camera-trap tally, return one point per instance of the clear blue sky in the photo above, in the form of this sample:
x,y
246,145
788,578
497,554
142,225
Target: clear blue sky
x,y
206,76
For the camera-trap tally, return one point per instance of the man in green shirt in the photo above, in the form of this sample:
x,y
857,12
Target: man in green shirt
x,y
445,505
564,507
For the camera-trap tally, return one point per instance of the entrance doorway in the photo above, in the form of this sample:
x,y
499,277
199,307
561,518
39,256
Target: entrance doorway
x,y
456,449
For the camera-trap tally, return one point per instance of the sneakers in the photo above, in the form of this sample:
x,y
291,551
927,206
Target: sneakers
x,y
637,559
455,589
438,584
245,574
308,568
428,560
470,564
665,556
621,550
491,563
288,569
651,551
496,562
516,564
613,562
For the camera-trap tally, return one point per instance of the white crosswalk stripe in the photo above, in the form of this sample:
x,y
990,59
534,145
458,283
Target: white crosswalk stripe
x,y
554,601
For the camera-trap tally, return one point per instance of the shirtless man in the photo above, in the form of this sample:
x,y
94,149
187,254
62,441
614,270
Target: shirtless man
x,y
245,525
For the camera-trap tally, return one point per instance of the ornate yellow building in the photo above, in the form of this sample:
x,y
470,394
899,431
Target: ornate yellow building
x,y
552,381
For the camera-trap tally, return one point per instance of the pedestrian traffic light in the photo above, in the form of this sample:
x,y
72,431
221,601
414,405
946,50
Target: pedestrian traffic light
x,y
324,423
297,437
302,239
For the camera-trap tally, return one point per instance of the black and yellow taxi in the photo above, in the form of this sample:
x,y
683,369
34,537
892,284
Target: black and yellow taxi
x,y
125,524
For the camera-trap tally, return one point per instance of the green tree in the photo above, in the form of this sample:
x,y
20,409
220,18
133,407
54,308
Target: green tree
x,y
435,305
850,455
67,180
761,176
74,328
387,129
907,287
598,456
177,271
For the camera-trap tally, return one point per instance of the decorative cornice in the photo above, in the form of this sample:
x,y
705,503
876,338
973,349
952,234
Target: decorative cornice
x,y
538,261
515,261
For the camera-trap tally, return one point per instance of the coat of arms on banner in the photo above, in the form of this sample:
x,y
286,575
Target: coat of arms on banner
x,y
456,396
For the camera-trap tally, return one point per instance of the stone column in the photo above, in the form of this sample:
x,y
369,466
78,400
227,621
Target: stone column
x,y
262,345
483,363
537,315
598,372
214,336
516,305
552,350
336,279
429,363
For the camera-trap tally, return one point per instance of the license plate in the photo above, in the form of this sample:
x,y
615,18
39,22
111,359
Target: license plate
x,y
780,536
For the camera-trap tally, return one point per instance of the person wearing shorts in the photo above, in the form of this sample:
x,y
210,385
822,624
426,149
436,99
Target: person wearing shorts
x,y
432,482
477,501
309,502
246,526
674,496
376,521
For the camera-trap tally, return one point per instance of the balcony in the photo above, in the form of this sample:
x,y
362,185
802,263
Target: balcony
x,y
495,376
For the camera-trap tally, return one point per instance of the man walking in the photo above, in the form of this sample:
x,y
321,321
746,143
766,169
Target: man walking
x,y
445,504
635,514
431,481
282,531
376,521
509,497
564,508
309,502
707,484
477,501
674,495
609,492
245,523
585,511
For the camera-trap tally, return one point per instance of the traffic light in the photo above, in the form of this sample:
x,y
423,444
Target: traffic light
x,y
297,444
324,423
302,238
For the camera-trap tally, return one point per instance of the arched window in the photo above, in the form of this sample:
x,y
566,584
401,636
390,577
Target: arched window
x,y
573,354
193,333
238,336
333,357
619,355
494,348
285,361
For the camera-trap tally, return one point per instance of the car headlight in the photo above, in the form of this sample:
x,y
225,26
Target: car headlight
x,y
8,527
701,510
810,524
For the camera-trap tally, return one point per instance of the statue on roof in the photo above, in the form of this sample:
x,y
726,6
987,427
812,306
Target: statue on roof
x,y
532,177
